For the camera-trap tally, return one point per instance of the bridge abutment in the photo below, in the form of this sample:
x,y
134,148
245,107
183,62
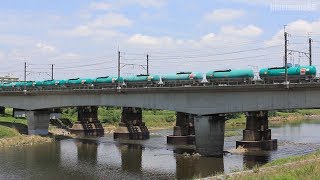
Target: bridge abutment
x,y
257,135
183,132
209,132
88,123
38,122
2,110
131,125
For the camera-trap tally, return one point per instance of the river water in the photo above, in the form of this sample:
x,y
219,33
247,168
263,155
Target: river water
x,y
104,158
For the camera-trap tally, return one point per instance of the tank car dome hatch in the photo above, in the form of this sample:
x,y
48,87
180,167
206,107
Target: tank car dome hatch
x,y
184,72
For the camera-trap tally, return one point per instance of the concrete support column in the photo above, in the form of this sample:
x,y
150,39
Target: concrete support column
x,y
38,122
257,134
131,125
209,132
88,123
183,132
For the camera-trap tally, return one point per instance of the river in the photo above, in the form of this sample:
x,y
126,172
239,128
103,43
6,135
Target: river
x,y
104,158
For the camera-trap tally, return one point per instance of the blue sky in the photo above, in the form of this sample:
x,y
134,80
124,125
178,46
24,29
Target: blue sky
x,y
178,35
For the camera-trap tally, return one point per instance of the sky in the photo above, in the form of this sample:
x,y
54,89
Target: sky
x,y
82,37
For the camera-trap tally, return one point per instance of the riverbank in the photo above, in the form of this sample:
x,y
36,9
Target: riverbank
x,y
13,132
23,140
295,167
279,118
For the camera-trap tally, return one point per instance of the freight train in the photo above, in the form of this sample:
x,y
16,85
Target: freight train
x,y
221,77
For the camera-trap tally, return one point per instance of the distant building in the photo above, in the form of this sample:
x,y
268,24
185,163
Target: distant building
x,y
8,79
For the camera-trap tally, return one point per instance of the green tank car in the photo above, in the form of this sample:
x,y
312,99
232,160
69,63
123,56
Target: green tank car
x,y
181,76
78,81
107,80
60,82
294,73
230,74
138,78
38,83
49,83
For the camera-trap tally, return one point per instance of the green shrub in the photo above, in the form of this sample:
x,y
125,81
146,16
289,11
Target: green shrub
x,y
70,113
170,118
109,115
233,115
272,113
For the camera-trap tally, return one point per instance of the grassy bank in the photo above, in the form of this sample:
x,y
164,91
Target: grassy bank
x,y
8,132
295,167
23,140
13,132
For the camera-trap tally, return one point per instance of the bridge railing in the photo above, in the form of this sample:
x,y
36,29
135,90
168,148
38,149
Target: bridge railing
x,y
131,85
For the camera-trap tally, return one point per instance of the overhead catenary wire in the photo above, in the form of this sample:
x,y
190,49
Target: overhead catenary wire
x,y
85,65
226,59
217,54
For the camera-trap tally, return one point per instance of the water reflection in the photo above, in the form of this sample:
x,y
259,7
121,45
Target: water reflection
x,y
195,166
87,151
252,160
131,157
103,158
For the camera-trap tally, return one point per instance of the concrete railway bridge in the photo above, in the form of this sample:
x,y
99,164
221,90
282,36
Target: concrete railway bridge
x,y
203,106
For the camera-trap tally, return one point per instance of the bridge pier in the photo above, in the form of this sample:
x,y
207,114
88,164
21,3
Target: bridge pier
x,y
88,123
209,132
183,132
131,125
38,122
257,135
2,110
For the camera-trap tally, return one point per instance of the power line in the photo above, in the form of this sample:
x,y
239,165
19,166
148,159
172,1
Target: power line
x,y
228,59
90,69
218,54
86,65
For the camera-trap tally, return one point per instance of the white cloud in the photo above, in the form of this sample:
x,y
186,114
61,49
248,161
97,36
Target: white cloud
x,y
15,40
100,28
220,15
248,31
111,20
147,3
150,40
100,6
225,35
45,48
88,31
208,37
296,28
257,2
66,57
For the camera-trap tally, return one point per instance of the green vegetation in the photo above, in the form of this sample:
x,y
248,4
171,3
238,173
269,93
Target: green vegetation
x,y
157,118
112,116
109,115
10,126
300,167
291,159
70,113
8,132
238,122
11,130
